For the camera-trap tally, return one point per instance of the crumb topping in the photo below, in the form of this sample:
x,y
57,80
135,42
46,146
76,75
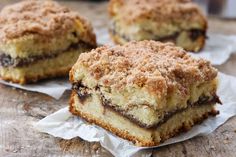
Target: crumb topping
x,y
161,10
159,67
46,18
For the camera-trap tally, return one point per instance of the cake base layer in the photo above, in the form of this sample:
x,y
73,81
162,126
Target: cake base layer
x,y
188,40
143,114
96,113
41,69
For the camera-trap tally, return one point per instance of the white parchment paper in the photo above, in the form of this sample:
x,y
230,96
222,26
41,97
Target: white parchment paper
x,y
64,125
54,88
218,48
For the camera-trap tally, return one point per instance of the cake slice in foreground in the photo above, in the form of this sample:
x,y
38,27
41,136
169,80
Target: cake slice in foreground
x,y
40,40
145,92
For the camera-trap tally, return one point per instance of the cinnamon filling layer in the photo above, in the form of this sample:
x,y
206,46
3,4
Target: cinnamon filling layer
x,y
8,61
84,93
193,34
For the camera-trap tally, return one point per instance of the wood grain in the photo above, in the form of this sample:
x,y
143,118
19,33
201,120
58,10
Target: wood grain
x,y
19,110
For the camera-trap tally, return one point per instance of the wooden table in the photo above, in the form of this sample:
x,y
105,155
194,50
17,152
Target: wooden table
x,y
19,110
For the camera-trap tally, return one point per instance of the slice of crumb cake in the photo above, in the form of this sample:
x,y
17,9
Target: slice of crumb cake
x,y
145,92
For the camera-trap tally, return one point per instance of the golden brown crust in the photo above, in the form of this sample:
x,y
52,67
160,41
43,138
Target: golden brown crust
x,y
156,66
158,10
45,18
30,79
125,135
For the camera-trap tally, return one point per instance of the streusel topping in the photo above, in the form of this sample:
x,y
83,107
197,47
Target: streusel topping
x,y
159,67
161,10
43,17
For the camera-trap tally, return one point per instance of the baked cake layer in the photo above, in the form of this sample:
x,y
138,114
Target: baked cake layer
x,y
94,112
158,20
42,69
35,45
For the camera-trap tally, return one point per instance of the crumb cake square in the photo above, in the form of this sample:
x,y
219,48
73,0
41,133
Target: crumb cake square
x,y
145,91
177,21
41,39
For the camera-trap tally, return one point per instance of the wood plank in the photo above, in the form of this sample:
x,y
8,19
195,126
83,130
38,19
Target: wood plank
x,y
19,110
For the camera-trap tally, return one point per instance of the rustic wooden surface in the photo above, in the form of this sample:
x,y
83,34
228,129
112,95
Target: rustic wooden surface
x,y
19,110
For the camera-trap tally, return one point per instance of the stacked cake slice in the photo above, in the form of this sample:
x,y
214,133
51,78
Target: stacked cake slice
x,y
145,92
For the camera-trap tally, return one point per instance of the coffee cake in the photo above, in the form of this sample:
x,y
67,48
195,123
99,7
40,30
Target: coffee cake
x,y
144,91
41,39
177,21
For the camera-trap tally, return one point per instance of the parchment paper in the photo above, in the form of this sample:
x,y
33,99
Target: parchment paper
x,y
54,88
64,125
218,48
